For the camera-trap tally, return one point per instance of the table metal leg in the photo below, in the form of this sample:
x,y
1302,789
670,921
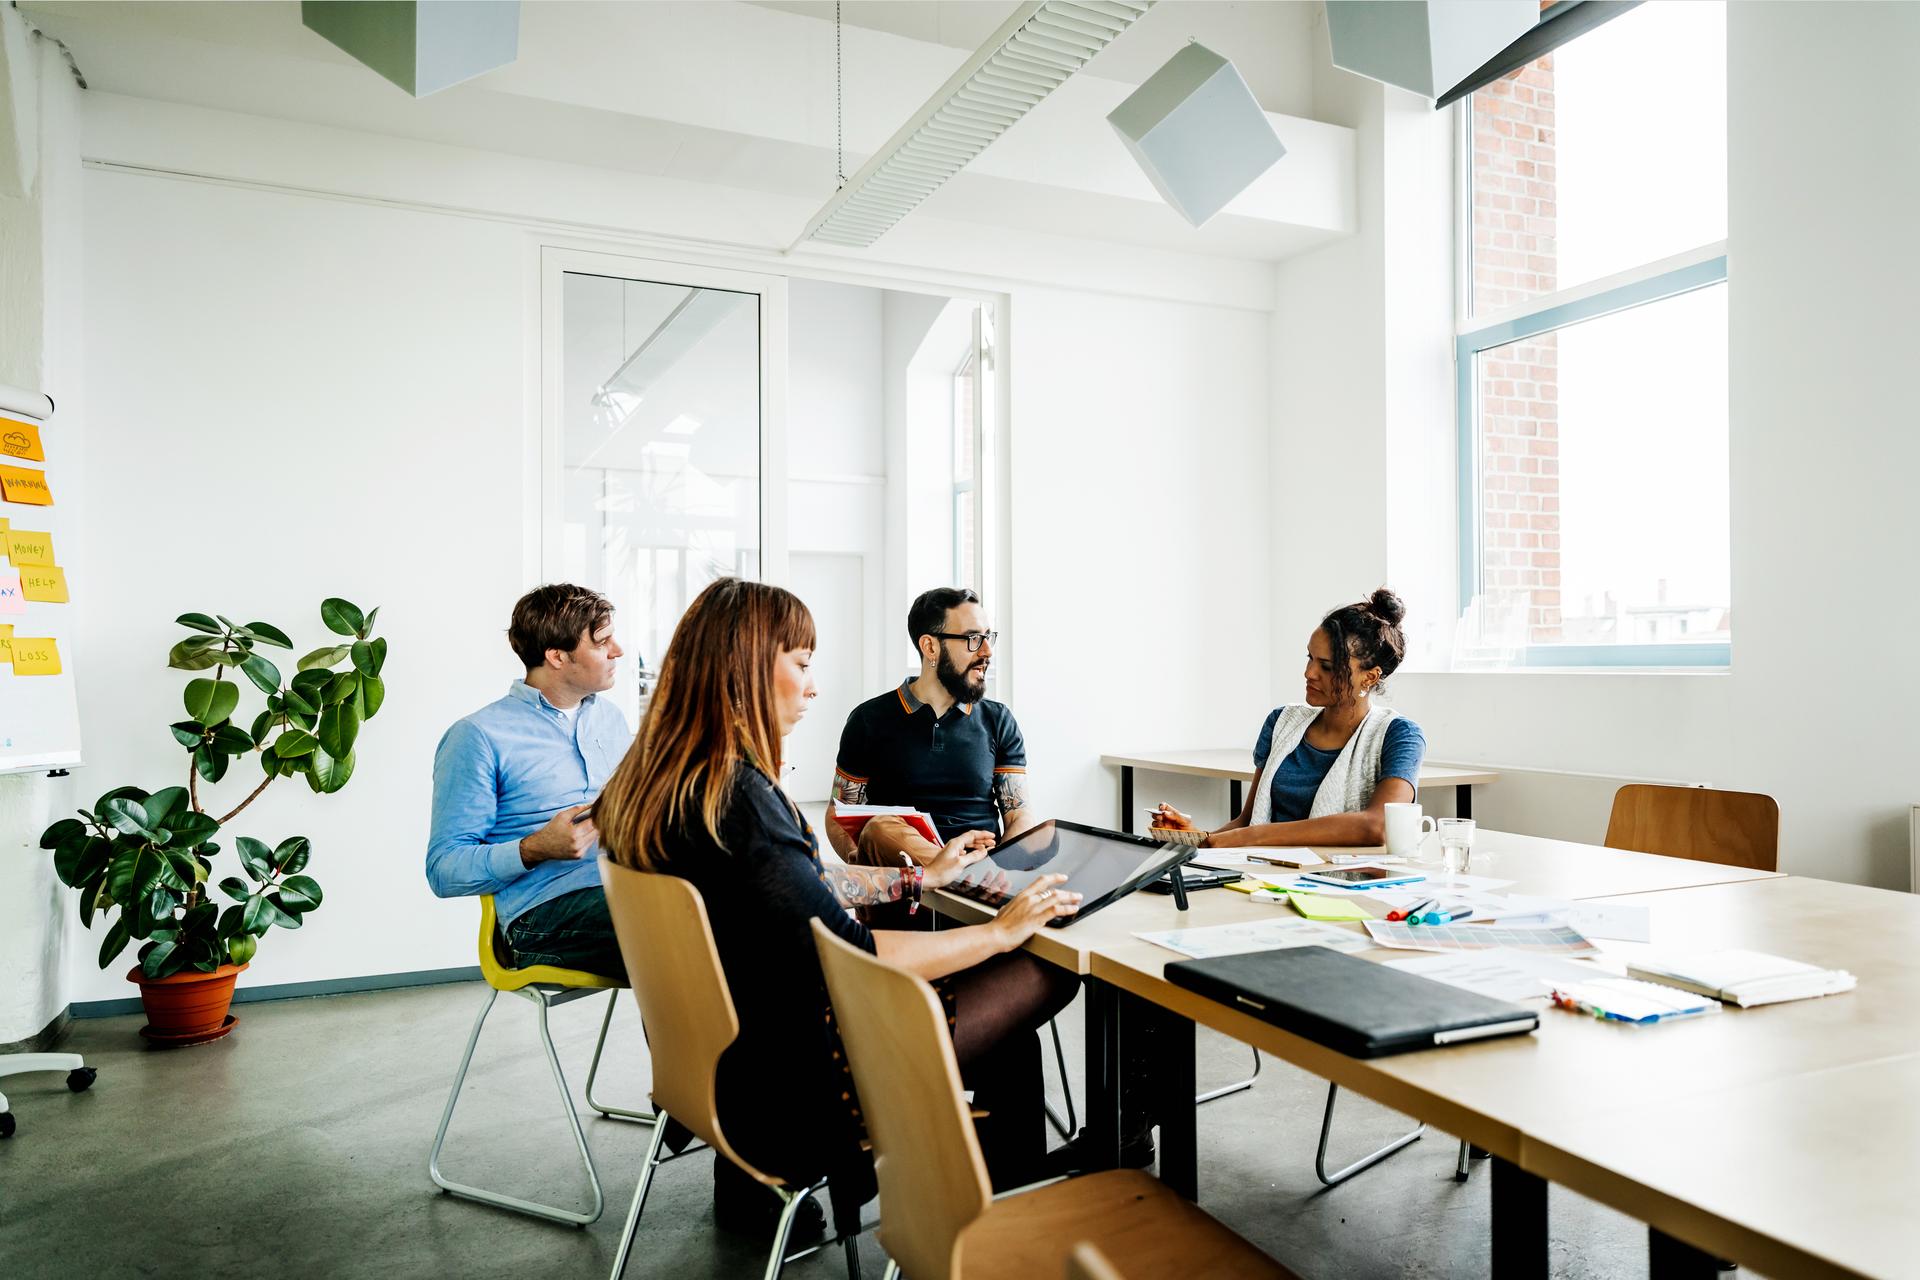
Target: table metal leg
x,y
1670,1259
1172,1044
1126,798
1233,799
1519,1223
1103,1074
1463,802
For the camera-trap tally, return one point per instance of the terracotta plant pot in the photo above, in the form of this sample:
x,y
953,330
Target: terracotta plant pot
x,y
188,1008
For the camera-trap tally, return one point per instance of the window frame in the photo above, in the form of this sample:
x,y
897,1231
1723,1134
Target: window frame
x,y
1699,268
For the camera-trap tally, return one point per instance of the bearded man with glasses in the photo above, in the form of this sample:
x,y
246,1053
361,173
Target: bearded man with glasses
x,y
936,743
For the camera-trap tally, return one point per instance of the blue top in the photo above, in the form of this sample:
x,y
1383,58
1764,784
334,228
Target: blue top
x,y
499,775
1296,780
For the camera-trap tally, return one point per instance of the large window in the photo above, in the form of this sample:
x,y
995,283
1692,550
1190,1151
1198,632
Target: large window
x,y
1593,352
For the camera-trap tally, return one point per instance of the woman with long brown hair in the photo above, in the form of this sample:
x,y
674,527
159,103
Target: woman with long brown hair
x,y
697,797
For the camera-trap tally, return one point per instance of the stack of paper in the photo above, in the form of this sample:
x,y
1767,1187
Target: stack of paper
x,y
1745,978
1263,935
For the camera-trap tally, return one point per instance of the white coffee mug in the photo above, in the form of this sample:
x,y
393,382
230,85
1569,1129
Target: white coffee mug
x,y
1406,828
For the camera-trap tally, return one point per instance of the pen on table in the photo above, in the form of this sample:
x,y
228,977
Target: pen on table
x,y
1410,912
1442,917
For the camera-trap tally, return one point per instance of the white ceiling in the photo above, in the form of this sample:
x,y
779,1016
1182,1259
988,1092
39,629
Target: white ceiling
x,y
743,96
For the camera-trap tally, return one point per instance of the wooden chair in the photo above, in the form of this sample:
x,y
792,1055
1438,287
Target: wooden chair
x,y
1734,828
547,987
1086,1262
690,1020
939,1219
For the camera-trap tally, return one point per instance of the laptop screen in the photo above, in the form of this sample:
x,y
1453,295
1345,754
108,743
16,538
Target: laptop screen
x,y
1104,866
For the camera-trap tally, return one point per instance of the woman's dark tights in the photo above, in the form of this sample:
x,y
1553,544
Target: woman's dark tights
x,y
999,1006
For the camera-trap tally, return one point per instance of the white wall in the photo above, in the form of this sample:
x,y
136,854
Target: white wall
x,y
1823,270
296,396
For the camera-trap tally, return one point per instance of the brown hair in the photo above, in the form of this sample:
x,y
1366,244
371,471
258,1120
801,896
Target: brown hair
x,y
555,617
712,712
1367,631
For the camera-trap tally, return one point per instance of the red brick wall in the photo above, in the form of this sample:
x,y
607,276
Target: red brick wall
x,y
1515,259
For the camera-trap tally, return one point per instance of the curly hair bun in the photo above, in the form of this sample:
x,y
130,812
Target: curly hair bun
x,y
1387,607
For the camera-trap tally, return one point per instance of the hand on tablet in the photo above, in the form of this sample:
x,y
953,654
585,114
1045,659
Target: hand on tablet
x,y
960,853
1033,907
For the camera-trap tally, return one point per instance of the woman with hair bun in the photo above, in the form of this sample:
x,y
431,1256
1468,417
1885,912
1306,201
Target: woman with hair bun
x,y
1327,768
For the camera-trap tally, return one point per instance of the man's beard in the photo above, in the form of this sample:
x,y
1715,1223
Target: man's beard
x,y
954,680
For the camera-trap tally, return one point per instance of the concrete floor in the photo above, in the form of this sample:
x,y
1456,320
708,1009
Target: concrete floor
x,y
298,1146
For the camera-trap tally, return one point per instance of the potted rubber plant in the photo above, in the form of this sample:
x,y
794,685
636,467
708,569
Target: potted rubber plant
x,y
147,858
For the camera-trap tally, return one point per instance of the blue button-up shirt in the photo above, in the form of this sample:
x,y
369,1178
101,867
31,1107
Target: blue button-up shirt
x,y
500,774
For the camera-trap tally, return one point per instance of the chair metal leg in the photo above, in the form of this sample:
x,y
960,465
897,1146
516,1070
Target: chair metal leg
x,y
1365,1162
790,1205
1460,1167
892,1272
620,1113
495,1198
1068,1127
1237,1087
640,1196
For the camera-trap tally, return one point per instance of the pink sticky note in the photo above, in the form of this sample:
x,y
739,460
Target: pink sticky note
x,y
11,601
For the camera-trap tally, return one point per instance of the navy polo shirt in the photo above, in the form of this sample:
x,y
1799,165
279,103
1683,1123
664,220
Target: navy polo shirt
x,y
893,751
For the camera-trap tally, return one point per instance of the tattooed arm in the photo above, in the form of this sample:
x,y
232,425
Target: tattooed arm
x,y
864,886
1010,797
847,789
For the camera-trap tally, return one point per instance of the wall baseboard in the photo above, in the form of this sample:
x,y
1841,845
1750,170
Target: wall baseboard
x,y
44,1040
296,990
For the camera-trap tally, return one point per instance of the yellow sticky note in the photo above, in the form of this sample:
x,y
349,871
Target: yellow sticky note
x,y
44,583
6,642
25,485
35,656
1315,906
24,546
20,440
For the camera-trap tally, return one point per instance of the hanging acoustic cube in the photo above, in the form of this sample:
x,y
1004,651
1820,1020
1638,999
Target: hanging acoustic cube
x,y
1428,46
423,46
1197,131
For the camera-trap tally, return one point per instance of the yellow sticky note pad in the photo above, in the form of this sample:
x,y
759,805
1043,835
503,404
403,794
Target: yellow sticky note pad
x,y
24,546
25,485
35,656
20,440
44,583
6,642
1315,906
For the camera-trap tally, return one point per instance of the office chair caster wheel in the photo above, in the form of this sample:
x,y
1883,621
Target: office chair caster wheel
x,y
80,1079
6,1124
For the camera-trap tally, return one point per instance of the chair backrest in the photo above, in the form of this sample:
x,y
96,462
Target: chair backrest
x,y
1086,1262
667,943
933,1181
1735,828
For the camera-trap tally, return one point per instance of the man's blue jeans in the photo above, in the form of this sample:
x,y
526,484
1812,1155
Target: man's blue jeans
x,y
573,931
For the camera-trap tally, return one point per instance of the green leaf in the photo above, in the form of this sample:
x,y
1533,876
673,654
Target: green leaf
x,y
366,628
62,832
290,855
191,828
211,701
309,683
163,804
327,773
242,949
275,915
162,959
339,726
300,892
262,724
268,634
233,919
195,653
118,793
296,701
265,676
255,857
254,918
199,622
341,687
236,888
82,861
89,896
210,764
152,871
324,657
379,647
114,943
232,740
293,744
362,654
187,733
373,695
342,618
126,814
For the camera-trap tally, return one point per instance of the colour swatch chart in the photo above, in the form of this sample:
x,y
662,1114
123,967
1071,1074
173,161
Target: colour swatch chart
x,y
1555,940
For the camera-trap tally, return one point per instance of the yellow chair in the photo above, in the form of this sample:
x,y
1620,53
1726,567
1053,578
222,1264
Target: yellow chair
x,y
548,987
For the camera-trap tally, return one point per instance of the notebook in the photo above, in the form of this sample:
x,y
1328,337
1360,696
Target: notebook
x,y
1359,1008
1745,978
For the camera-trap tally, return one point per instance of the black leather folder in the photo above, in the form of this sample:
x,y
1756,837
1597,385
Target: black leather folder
x,y
1362,1009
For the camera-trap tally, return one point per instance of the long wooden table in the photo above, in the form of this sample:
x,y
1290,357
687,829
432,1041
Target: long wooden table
x,y
1784,1137
1233,765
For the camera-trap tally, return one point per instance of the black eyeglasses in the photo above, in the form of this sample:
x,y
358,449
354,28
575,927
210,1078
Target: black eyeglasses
x,y
974,639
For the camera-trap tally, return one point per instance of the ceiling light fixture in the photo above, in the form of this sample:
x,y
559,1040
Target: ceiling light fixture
x,y
1032,53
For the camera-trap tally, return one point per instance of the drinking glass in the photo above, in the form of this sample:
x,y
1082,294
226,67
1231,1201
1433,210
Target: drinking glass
x,y
1456,845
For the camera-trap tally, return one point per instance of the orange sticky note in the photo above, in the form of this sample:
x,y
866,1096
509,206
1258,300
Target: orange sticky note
x,y
20,440
24,546
35,656
24,485
43,583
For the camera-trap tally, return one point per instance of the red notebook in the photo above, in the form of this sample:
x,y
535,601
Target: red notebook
x,y
853,818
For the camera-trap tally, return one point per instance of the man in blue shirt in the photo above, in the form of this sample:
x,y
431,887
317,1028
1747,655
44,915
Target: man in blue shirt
x,y
512,782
